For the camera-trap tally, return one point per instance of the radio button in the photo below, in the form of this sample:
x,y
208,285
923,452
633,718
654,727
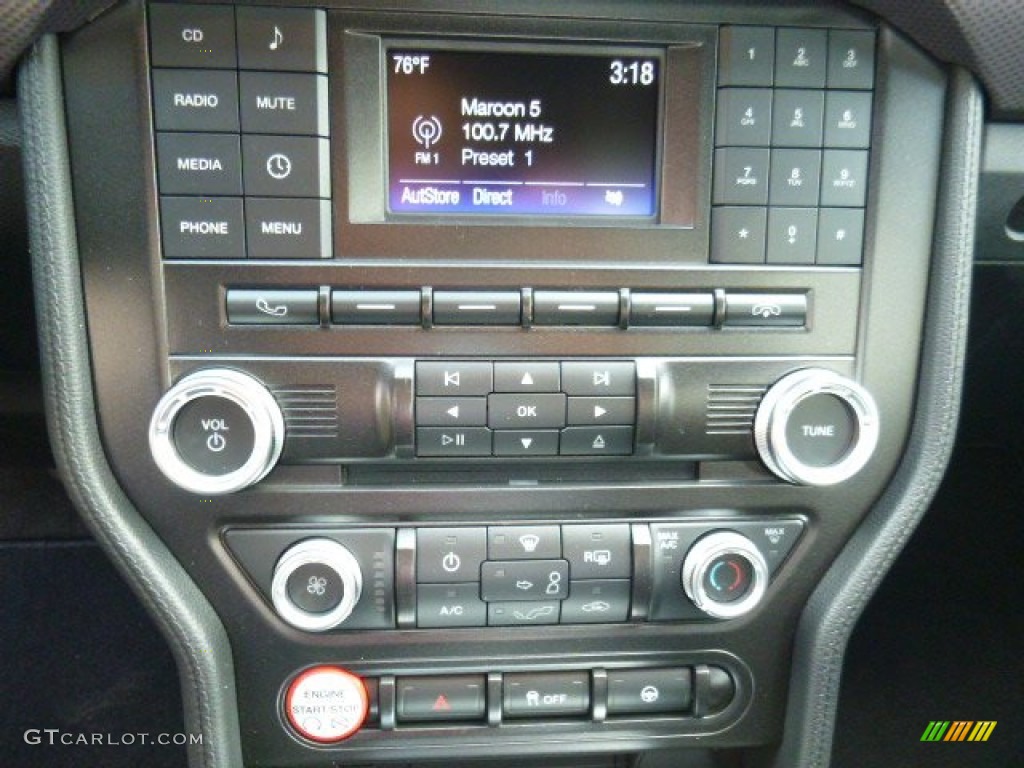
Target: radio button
x,y
202,227
597,551
576,307
477,307
851,59
597,441
746,56
741,176
671,309
524,580
286,166
515,411
195,100
375,307
796,175
522,613
272,307
774,310
449,555
534,442
840,236
744,117
599,378
451,411
597,601
282,39
453,378
192,36
792,235
588,411
738,235
801,57
844,178
523,542
526,377
286,228
199,164
848,119
442,441
546,694
274,102
450,605
797,119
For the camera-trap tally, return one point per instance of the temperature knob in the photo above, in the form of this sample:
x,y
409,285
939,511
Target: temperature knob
x,y
216,431
815,427
724,575
317,584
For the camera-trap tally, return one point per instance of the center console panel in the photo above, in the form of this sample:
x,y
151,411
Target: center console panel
x,y
505,380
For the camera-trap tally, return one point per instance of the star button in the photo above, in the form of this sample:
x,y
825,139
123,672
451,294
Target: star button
x,y
744,233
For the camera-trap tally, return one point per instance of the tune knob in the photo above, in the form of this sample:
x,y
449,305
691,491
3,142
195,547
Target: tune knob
x,y
724,574
317,584
216,431
815,427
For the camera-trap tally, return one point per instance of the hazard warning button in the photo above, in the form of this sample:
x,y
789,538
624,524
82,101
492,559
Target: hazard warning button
x,y
440,698
326,704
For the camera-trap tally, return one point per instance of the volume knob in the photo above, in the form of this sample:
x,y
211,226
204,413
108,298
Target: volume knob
x,y
816,427
216,431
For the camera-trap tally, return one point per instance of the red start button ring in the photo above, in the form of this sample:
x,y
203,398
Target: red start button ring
x,y
326,704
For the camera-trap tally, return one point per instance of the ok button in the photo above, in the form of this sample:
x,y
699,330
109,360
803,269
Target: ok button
x,y
515,411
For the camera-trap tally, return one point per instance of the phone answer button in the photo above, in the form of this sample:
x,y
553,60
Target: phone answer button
x,y
247,306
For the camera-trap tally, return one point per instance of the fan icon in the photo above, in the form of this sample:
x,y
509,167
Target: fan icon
x,y
317,585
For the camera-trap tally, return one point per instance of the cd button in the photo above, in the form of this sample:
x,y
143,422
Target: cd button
x,y
273,102
575,307
526,377
282,39
286,166
477,307
192,36
515,411
533,442
450,605
375,307
672,309
449,555
453,378
599,378
272,307
287,228
451,411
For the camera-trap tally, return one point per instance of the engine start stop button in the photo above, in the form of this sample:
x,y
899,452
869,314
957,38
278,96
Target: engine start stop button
x,y
326,704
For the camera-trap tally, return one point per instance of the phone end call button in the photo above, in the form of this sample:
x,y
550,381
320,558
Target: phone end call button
x,y
273,307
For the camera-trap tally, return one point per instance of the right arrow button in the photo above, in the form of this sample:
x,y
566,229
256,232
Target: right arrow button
x,y
597,411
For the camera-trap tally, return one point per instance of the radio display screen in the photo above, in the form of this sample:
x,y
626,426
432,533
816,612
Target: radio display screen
x,y
498,132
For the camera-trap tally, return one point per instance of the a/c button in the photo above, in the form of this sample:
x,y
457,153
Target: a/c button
x,y
450,605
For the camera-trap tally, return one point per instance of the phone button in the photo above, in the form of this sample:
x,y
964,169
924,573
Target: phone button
x,y
256,307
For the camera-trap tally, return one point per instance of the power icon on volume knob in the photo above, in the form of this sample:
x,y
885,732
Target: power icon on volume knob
x,y
216,431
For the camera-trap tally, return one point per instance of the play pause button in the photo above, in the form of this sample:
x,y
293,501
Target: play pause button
x,y
438,441
539,442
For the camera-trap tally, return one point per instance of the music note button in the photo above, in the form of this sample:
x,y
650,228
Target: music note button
x,y
282,39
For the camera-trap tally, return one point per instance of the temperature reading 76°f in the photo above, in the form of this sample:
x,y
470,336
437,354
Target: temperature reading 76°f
x,y
411,63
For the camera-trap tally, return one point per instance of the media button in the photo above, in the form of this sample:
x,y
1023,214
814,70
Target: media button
x,y
199,164
202,227
274,102
195,100
192,36
272,307
288,228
